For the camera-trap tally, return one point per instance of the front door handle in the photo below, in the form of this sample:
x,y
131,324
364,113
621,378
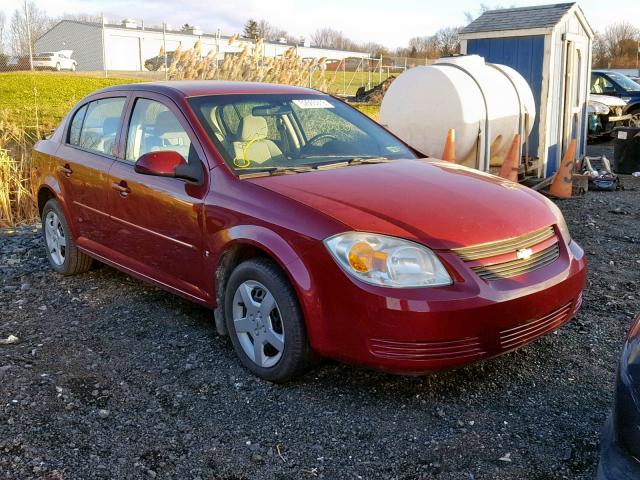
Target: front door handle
x,y
66,170
121,187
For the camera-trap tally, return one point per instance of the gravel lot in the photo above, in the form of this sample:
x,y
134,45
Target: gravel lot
x,y
111,378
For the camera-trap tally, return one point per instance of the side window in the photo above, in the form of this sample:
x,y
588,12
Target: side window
x,y
76,126
154,128
101,124
600,85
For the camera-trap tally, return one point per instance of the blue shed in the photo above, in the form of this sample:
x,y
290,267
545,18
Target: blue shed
x,y
550,46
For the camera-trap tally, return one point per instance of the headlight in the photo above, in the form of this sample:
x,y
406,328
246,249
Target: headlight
x,y
387,261
598,108
560,221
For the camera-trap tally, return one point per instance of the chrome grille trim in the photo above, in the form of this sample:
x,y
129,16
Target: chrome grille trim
x,y
434,351
501,247
519,266
518,335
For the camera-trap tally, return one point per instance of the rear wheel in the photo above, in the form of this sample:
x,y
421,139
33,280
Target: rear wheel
x,y
62,253
265,322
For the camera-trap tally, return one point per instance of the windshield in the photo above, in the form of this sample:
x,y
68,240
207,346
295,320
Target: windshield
x,y
297,132
625,82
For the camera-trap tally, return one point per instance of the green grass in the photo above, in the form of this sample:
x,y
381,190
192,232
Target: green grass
x,y
39,99
357,79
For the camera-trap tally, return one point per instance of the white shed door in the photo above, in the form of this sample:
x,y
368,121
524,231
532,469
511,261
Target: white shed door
x,y
122,52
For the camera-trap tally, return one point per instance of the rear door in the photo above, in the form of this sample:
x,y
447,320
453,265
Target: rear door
x,y
84,159
158,221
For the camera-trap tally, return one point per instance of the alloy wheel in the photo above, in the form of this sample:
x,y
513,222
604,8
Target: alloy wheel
x,y
54,235
258,323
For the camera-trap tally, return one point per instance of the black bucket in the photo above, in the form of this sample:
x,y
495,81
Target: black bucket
x,y
626,156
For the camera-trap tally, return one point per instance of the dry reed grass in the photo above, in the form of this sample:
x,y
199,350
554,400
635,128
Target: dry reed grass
x,y
250,65
17,200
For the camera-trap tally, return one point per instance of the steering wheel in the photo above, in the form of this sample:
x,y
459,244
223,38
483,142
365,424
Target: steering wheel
x,y
320,136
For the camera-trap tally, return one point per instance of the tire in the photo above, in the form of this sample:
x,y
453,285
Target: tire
x,y
73,67
635,119
57,67
290,355
62,253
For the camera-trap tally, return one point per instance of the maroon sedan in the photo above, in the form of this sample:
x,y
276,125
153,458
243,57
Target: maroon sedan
x,y
307,227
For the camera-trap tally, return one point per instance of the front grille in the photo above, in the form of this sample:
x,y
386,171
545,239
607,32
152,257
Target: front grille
x,y
483,259
518,266
485,250
439,350
516,336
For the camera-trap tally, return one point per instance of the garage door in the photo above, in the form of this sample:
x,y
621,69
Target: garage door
x,y
122,52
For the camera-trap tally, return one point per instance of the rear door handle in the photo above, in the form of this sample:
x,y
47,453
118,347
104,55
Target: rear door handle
x,y
66,170
121,187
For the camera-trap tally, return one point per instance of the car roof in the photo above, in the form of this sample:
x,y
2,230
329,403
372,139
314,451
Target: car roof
x,y
196,88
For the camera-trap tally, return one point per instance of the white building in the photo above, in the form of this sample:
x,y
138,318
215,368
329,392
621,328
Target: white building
x,y
128,45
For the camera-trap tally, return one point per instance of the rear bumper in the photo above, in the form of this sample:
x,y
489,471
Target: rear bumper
x,y
615,462
420,330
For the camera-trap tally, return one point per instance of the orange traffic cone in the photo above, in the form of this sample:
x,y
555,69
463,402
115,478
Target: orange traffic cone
x,y
449,152
509,168
562,184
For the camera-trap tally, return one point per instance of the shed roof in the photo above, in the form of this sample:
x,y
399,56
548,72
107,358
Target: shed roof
x,y
522,18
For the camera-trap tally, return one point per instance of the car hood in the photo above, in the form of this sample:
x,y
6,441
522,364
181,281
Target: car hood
x,y
608,100
437,203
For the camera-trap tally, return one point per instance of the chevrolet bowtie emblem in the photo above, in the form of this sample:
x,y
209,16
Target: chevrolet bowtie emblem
x,y
524,253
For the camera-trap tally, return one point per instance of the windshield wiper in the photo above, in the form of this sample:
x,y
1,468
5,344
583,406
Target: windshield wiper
x,y
353,161
270,171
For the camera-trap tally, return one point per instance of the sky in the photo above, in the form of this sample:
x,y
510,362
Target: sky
x,y
389,22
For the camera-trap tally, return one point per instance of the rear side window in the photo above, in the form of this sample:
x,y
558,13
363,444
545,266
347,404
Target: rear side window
x,y
76,126
100,125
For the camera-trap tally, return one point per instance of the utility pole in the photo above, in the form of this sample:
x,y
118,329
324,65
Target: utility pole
x,y
104,51
28,20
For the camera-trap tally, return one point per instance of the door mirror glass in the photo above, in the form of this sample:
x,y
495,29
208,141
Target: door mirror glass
x,y
160,164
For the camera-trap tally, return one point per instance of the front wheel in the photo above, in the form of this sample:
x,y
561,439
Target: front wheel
x,y
62,253
635,119
265,322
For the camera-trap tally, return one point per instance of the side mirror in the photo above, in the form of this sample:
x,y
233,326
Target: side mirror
x,y
160,164
168,163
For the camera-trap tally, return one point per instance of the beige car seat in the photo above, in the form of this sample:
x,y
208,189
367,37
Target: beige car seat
x,y
253,145
168,134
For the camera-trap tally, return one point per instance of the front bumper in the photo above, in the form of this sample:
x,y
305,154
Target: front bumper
x,y
420,330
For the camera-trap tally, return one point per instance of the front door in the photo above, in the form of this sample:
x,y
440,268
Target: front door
x,y
84,160
158,221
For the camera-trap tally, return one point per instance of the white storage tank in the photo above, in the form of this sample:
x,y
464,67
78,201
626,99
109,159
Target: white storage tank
x,y
486,104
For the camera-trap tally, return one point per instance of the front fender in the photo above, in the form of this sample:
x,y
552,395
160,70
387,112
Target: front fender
x,y
633,106
270,242
286,256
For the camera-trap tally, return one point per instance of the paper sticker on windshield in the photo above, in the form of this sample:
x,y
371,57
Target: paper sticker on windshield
x,y
311,103
394,149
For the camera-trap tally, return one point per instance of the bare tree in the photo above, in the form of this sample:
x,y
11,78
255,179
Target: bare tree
x,y
39,23
599,51
271,32
620,43
329,38
448,41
